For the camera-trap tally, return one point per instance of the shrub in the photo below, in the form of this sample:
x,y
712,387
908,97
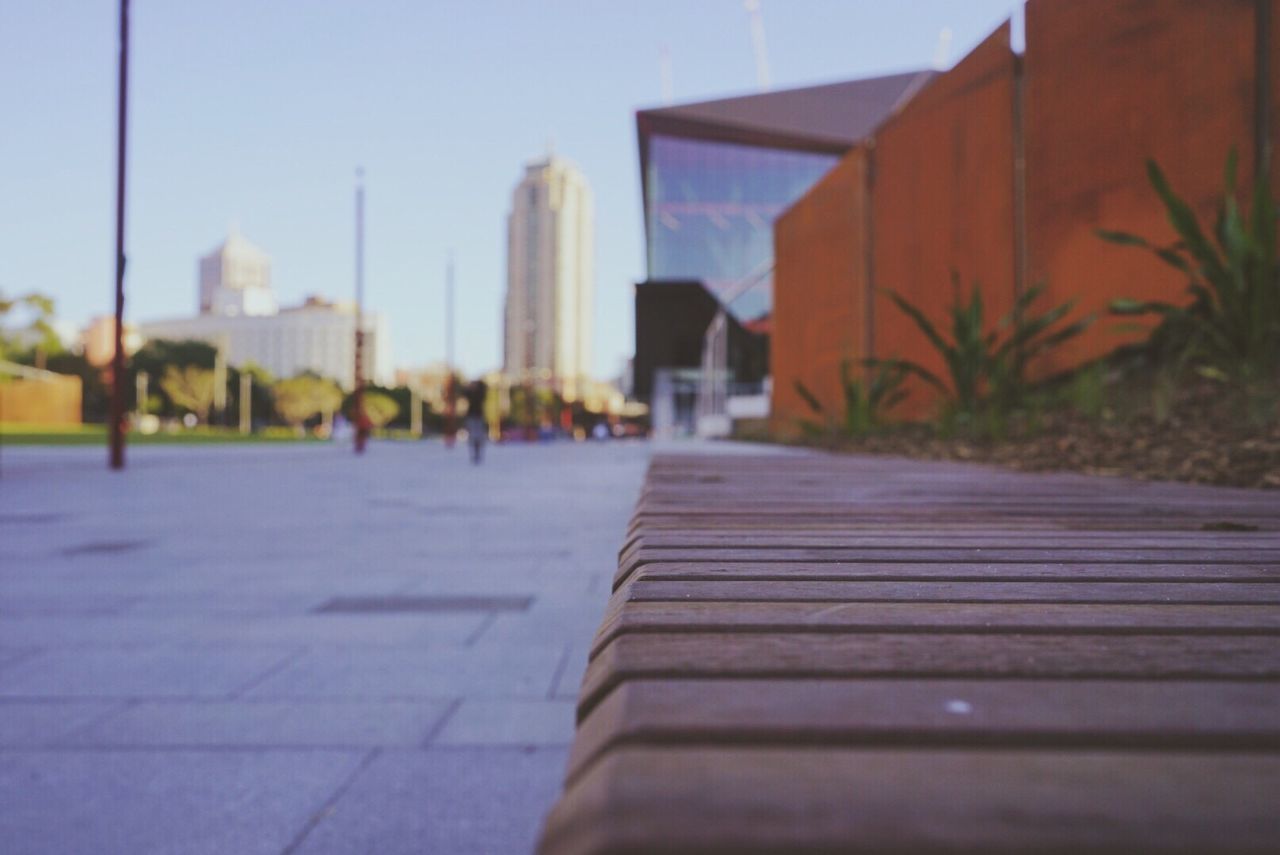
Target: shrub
x,y
987,370
1230,329
299,398
380,408
867,401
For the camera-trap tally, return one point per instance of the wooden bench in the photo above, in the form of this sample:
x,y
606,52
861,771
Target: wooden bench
x,y
815,654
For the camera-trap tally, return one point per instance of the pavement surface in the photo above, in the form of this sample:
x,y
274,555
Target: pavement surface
x,y
286,649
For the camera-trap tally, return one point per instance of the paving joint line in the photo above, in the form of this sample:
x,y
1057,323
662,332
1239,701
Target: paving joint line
x,y
487,621
559,674
439,726
268,674
332,802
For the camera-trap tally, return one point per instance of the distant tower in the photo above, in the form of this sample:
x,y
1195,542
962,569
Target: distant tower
x,y
235,279
550,281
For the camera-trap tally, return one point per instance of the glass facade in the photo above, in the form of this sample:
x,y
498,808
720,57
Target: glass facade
x,y
711,207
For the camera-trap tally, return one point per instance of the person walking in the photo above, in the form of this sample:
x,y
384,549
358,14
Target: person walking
x,y
477,427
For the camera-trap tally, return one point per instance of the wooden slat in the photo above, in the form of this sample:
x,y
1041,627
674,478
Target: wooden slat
x,y
995,618
821,654
824,800
938,655
968,572
930,712
643,590
764,537
943,555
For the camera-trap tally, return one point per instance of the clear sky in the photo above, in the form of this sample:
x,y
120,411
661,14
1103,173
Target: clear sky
x,y
258,112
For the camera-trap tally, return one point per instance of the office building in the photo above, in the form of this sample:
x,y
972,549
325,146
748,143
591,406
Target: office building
x,y
550,279
317,336
235,279
239,313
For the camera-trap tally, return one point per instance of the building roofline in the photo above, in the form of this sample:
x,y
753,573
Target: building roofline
x,y
773,120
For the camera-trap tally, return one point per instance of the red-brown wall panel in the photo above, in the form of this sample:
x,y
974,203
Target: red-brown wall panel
x,y
943,200
1111,83
820,292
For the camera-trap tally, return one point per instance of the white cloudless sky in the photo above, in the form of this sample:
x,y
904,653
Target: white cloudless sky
x,y
258,113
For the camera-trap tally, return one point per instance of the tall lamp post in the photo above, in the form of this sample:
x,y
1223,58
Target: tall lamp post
x,y
117,358
450,386
361,423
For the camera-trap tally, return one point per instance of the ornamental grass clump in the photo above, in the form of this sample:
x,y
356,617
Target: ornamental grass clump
x,y
987,370
1229,330
867,400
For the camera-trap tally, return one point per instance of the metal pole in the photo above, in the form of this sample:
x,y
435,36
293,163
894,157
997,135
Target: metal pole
x,y
362,427
448,312
450,389
117,358
246,402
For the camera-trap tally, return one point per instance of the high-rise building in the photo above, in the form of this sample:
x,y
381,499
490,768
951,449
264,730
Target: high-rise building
x,y
235,279
550,282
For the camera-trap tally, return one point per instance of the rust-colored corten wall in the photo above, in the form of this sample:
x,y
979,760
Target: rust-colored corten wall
x,y
1273,50
820,276
52,401
1104,85
1110,83
943,200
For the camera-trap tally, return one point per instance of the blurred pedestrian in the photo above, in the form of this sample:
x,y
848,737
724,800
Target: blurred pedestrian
x,y
477,427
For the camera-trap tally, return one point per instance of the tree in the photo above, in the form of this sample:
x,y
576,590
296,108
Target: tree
x,y
156,357
39,330
299,398
380,408
189,387
259,394
400,396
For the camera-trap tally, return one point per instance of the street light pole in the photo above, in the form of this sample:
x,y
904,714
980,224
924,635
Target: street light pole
x,y
450,387
117,358
362,428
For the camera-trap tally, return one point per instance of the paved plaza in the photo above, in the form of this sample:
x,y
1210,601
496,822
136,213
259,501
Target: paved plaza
x,y
280,649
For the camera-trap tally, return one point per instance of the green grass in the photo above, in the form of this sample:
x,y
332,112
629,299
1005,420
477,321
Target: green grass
x,y
26,434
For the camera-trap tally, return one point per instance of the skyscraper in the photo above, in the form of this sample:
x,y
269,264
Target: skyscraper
x,y
235,279
550,281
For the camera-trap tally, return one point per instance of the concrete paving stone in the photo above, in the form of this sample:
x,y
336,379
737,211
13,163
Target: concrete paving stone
x,y
164,803
441,672
267,724
141,671
509,722
550,625
216,646
484,579
373,629
280,580
10,655
33,723
17,604
443,801
240,603
292,629
575,666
